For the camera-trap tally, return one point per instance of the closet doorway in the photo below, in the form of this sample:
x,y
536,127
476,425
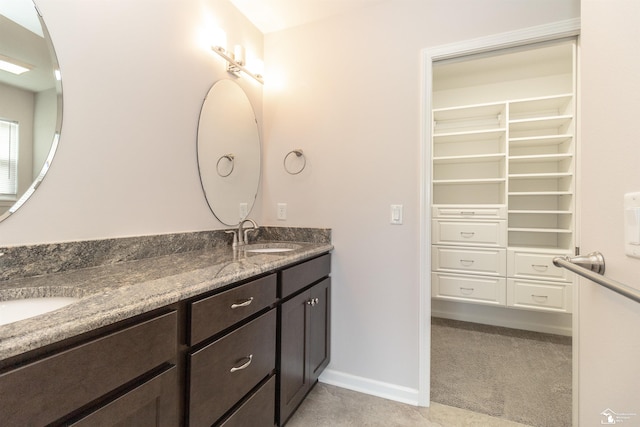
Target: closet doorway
x,y
502,195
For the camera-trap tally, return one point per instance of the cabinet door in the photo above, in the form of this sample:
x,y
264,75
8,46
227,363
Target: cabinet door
x,y
305,336
294,344
319,328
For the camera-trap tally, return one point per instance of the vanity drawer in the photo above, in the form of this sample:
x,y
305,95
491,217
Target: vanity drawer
x,y
533,265
258,411
469,212
218,312
465,260
302,275
469,233
480,290
224,371
153,403
42,392
539,296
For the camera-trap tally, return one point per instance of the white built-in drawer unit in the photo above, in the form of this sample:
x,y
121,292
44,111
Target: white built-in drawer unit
x,y
476,289
469,260
470,212
540,296
531,265
469,233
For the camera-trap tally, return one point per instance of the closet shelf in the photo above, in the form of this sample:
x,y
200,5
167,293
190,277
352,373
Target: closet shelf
x,y
445,137
531,141
551,175
539,123
470,158
470,181
539,158
540,230
540,193
535,212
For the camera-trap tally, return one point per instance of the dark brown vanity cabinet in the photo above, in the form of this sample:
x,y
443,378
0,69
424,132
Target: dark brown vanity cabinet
x,y
304,331
231,368
125,376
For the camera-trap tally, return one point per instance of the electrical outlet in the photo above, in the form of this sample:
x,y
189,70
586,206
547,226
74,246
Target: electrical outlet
x,y
244,210
282,211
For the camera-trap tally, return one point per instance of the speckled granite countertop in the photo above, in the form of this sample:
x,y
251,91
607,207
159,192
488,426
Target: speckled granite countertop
x,y
110,293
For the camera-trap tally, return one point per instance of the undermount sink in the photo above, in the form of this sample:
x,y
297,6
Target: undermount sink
x,y
265,248
20,309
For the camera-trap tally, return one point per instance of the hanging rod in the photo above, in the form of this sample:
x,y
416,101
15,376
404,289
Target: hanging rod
x,y
591,266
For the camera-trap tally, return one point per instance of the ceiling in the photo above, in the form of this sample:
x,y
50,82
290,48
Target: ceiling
x,y
276,15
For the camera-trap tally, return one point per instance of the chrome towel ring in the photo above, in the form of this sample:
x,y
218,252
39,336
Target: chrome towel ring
x,y
300,155
230,158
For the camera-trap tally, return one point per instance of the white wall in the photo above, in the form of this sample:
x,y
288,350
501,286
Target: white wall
x,y
348,94
609,342
135,73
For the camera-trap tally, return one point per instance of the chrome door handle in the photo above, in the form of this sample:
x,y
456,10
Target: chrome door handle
x,y
244,365
593,261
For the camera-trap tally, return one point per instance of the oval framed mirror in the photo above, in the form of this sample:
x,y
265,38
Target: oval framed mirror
x,y
30,103
229,154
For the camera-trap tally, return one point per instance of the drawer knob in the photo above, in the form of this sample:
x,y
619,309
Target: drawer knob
x,y
466,262
467,234
242,304
245,365
539,298
540,267
466,291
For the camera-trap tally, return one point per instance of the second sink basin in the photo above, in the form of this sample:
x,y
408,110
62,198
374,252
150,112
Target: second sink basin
x,y
20,309
273,247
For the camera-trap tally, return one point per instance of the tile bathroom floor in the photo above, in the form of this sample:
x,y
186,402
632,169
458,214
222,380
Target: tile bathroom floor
x,y
330,406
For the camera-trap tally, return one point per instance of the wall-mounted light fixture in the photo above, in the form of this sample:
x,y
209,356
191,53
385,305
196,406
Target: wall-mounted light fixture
x,y
236,60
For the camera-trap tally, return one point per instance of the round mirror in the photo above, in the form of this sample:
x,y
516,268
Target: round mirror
x,y
30,103
228,152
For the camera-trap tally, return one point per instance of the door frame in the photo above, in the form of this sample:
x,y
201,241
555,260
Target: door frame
x,y
526,36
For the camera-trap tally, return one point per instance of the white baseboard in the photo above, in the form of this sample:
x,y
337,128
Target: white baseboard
x,y
369,386
550,323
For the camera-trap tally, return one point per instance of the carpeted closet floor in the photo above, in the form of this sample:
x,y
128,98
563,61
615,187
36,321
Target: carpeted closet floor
x,y
506,373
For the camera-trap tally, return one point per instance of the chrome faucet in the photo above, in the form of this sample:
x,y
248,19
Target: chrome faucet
x,y
241,236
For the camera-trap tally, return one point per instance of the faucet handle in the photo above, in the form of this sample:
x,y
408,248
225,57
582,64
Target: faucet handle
x,y
235,237
247,231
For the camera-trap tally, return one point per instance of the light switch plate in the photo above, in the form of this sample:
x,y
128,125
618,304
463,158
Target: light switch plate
x,y
632,224
396,214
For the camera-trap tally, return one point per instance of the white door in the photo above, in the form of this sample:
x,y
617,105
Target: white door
x,y
608,327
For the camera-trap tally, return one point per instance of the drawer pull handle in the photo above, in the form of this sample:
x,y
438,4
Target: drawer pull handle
x,y
245,365
467,213
242,304
540,267
466,262
539,298
466,291
467,234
